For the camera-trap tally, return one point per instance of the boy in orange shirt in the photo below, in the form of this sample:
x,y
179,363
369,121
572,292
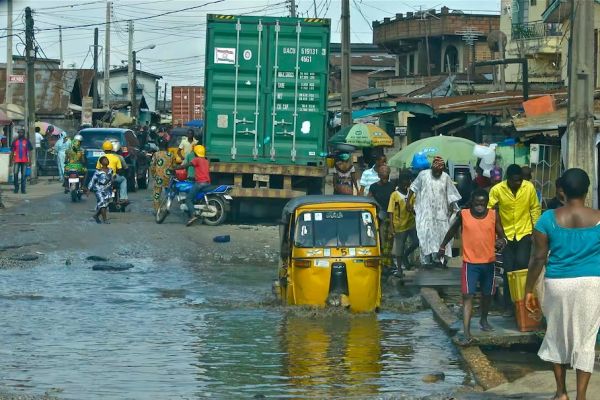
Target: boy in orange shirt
x,y
480,228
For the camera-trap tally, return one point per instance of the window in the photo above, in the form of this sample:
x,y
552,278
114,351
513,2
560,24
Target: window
x,y
335,229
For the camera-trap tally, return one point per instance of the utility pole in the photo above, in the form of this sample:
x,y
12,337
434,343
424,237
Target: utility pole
x,y
134,110
315,7
30,96
581,144
130,66
60,47
293,8
9,58
95,78
107,58
165,99
346,95
156,96
502,69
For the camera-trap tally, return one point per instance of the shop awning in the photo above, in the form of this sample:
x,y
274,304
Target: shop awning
x,y
370,112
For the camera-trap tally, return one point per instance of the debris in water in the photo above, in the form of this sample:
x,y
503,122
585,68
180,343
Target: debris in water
x,y
67,262
433,378
112,267
96,258
25,257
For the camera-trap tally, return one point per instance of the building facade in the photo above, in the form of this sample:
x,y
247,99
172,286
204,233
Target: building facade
x,y
146,91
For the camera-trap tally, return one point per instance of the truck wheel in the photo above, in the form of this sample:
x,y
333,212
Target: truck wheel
x,y
221,213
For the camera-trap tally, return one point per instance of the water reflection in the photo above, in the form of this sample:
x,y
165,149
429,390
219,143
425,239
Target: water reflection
x,y
337,355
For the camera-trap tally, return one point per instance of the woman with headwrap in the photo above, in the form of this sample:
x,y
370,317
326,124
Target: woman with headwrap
x,y
435,202
60,148
344,178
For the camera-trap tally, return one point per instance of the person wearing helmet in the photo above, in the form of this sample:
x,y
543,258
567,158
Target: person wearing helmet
x,y
75,158
115,165
201,179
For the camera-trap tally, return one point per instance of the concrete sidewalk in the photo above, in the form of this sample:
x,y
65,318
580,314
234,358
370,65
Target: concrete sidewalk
x,y
540,385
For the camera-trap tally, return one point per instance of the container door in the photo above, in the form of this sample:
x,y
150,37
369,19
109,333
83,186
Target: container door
x,y
234,84
296,92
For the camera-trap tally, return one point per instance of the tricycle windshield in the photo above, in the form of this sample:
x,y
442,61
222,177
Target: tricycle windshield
x,y
335,228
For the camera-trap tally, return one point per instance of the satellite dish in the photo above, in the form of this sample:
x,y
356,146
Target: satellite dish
x,y
494,39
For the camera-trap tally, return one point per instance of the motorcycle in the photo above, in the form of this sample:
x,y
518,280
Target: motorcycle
x,y
74,184
115,204
212,204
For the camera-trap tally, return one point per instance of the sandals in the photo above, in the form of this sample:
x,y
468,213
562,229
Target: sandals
x,y
464,342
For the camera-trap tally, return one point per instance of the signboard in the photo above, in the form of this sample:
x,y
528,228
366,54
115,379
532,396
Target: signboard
x,y
86,110
16,78
400,131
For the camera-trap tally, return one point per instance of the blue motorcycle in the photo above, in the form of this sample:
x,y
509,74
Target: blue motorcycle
x,y
211,205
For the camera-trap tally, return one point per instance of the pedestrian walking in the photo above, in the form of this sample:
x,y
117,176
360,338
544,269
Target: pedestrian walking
x,y
480,229
519,209
60,148
381,191
436,200
344,177
567,242
20,150
101,185
403,224
161,167
371,175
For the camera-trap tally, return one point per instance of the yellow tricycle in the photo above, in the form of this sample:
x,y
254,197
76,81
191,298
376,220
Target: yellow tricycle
x,y
330,253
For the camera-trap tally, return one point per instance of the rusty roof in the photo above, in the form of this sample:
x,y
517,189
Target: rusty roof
x,y
372,61
53,88
487,103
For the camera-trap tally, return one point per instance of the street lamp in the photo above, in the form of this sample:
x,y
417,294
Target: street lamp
x,y
133,83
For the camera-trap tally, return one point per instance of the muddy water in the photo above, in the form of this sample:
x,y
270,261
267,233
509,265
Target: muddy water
x,y
194,331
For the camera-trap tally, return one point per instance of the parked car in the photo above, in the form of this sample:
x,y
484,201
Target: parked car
x,y
137,159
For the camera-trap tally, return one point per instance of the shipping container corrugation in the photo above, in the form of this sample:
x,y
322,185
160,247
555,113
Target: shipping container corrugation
x,y
266,89
187,103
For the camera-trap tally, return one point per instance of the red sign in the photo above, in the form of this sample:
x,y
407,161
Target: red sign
x,y
16,78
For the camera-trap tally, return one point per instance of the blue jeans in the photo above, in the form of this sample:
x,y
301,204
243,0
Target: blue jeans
x,y
19,167
122,182
191,196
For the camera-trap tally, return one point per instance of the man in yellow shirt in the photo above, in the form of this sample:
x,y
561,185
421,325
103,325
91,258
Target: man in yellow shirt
x,y
114,163
519,208
403,222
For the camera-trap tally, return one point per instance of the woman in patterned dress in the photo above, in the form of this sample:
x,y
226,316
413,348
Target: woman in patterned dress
x,y
161,168
101,185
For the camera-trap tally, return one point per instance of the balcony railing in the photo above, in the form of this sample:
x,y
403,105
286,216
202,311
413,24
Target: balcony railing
x,y
535,30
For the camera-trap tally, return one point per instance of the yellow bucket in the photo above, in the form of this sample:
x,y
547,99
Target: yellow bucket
x,y
330,162
516,284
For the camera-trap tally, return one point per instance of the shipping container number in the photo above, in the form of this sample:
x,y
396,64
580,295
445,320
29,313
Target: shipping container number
x,y
306,59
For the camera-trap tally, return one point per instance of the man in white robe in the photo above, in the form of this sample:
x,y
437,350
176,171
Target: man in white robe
x,y
435,203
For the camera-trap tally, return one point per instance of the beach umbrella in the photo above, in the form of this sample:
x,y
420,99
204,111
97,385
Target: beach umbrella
x,y
450,148
48,128
362,135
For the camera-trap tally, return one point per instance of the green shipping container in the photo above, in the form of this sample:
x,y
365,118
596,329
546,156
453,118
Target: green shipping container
x,y
266,89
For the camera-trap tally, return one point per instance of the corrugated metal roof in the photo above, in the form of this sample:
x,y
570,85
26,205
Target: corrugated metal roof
x,y
488,103
53,88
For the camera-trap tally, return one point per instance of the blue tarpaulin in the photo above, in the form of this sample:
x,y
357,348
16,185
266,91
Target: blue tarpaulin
x,y
195,123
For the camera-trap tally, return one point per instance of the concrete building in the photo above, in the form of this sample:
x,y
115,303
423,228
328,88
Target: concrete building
x,y
369,62
431,43
558,13
119,88
530,37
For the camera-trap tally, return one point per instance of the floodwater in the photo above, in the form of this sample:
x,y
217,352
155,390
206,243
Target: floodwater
x,y
183,331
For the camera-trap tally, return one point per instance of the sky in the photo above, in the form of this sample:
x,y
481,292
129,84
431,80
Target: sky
x,y
179,36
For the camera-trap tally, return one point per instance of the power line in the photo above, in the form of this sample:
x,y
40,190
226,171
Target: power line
x,y
136,19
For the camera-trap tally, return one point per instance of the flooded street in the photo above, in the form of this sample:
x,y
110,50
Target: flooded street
x,y
182,330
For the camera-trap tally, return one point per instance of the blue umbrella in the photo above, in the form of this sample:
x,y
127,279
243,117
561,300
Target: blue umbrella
x,y
195,123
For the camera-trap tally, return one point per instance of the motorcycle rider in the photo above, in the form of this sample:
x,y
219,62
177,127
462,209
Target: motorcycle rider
x,y
115,164
75,160
201,179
